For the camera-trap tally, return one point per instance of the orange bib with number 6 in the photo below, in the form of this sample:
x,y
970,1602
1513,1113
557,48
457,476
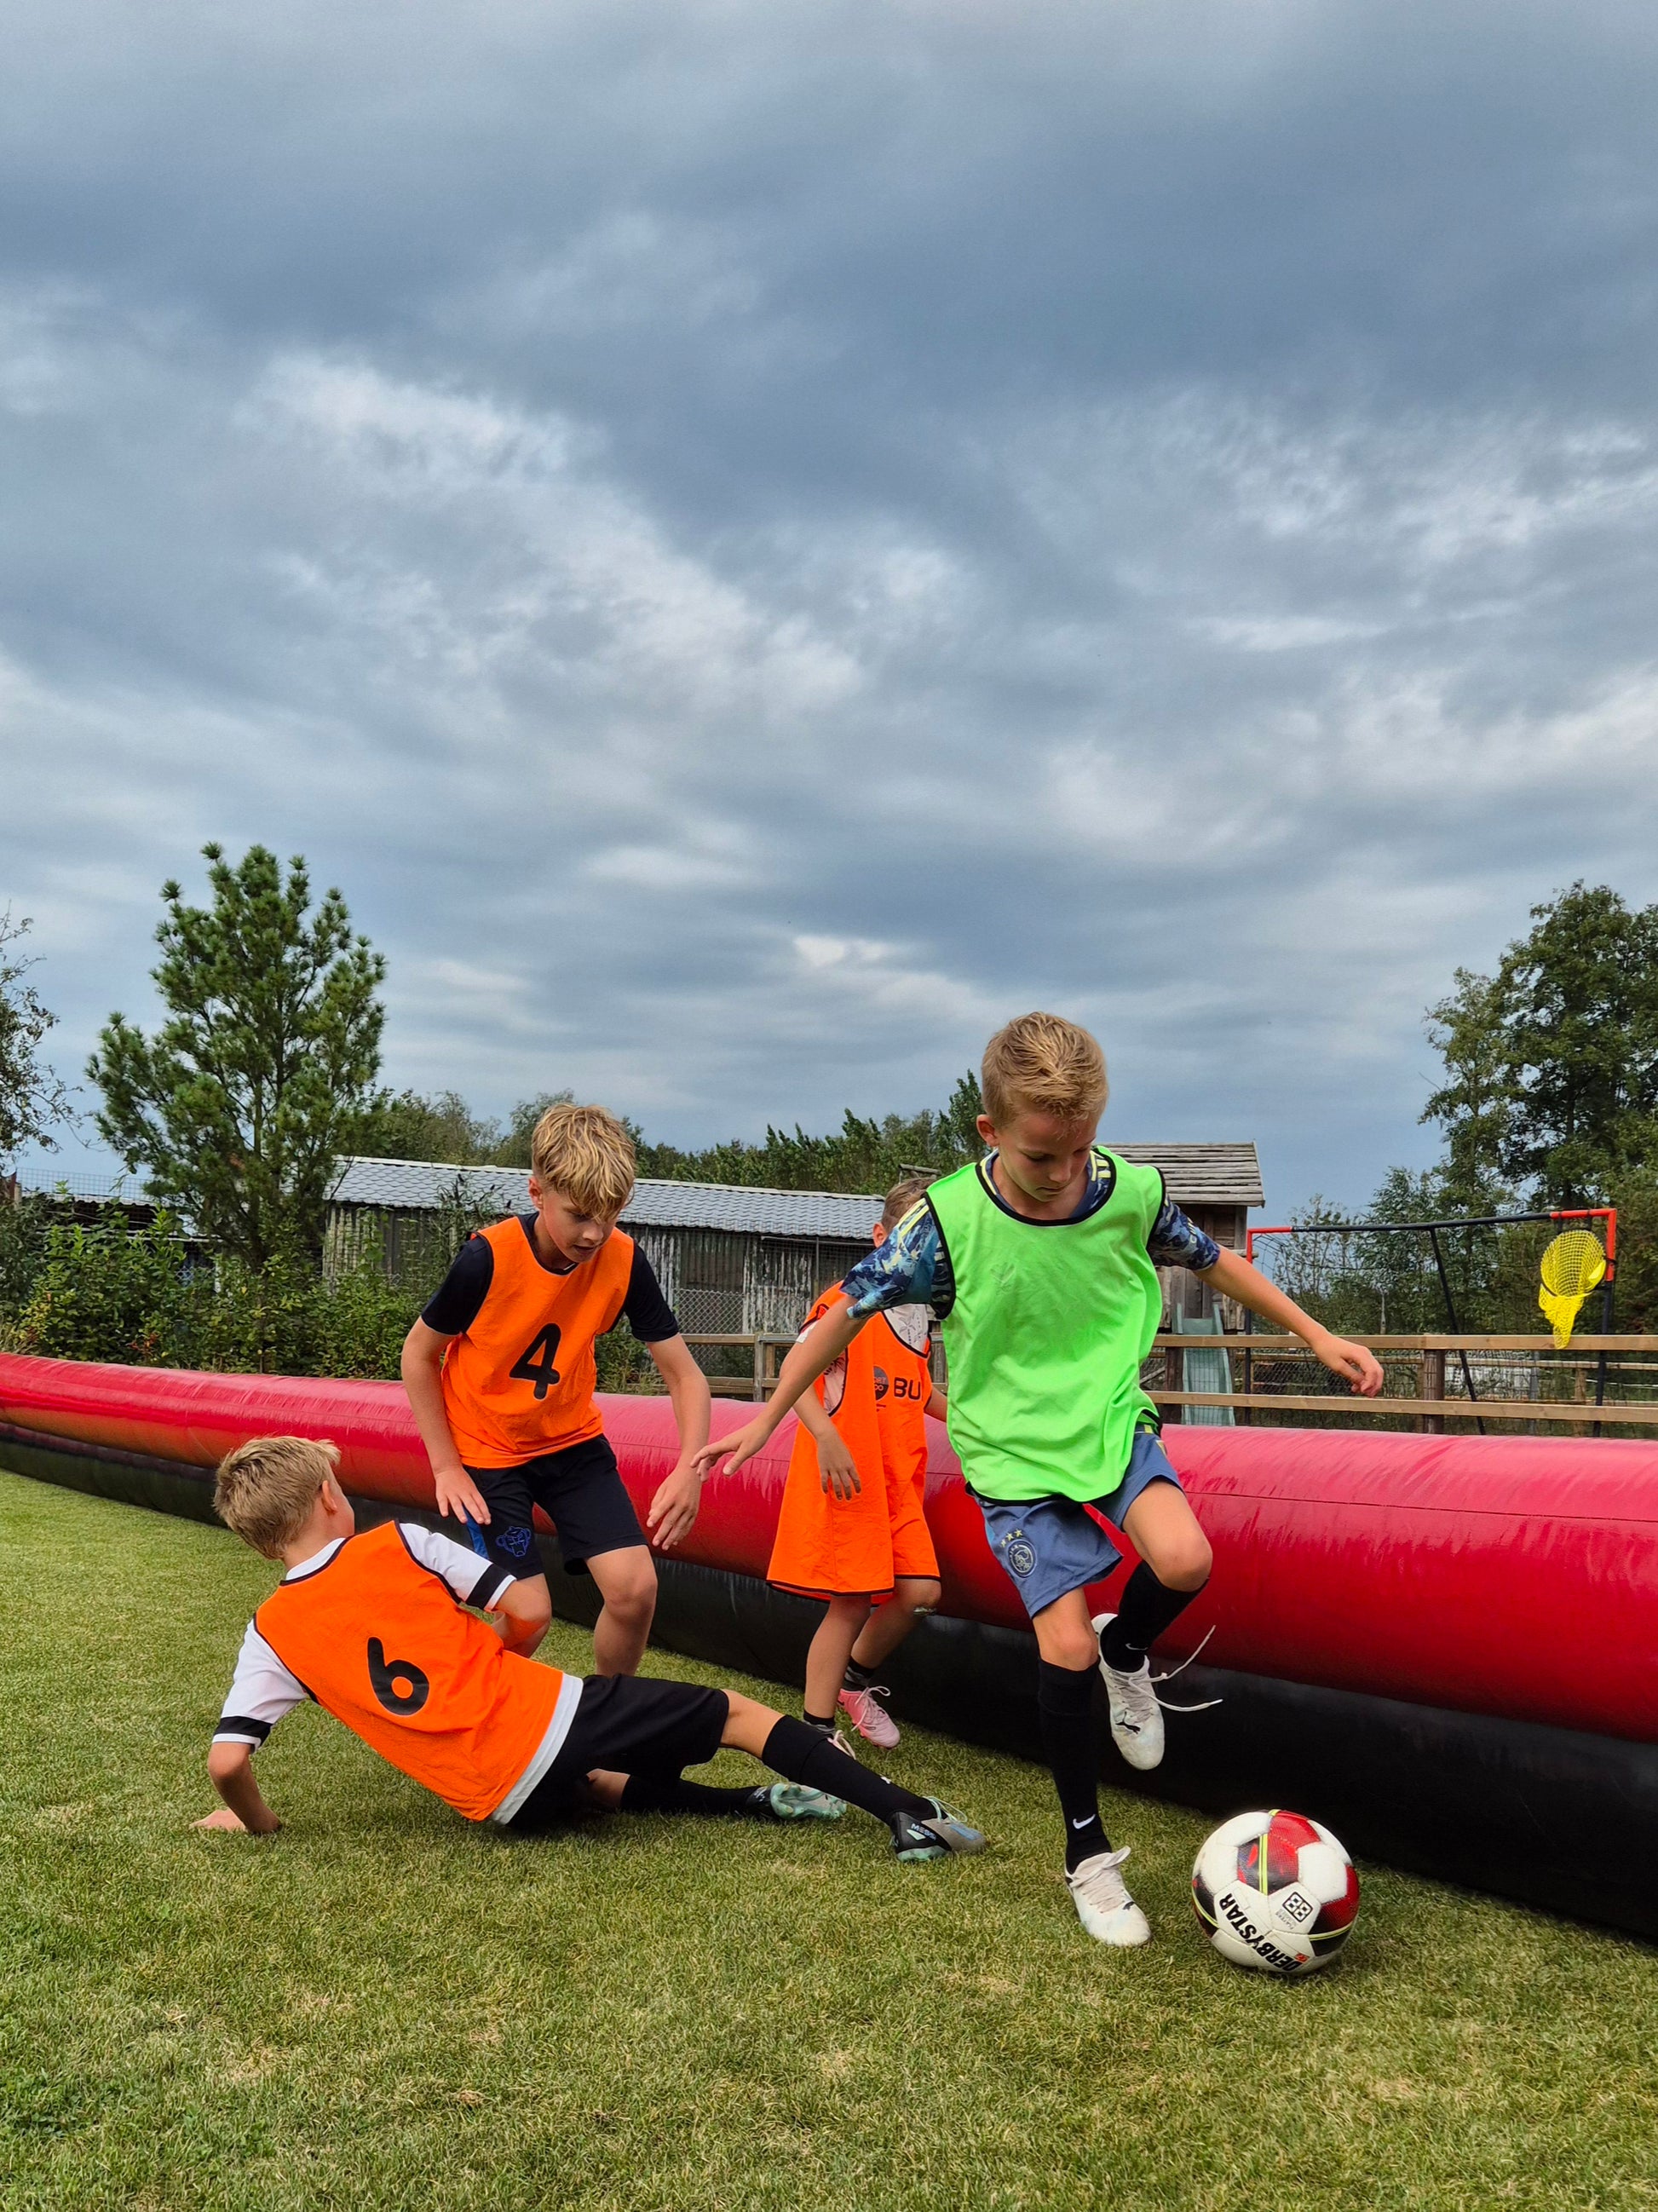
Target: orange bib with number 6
x,y
380,1643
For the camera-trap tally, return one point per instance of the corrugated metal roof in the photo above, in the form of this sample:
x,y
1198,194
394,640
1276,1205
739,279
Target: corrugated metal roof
x,y
1196,1175
752,1212
425,1184
422,1184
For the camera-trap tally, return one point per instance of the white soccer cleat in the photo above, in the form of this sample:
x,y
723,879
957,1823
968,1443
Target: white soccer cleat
x,y
1103,1906
1136,1715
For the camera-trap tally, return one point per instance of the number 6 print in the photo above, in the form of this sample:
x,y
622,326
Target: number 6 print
x,y
385,1674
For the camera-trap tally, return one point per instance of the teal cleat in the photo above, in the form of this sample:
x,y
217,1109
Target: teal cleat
x,y
917,1837
793,1801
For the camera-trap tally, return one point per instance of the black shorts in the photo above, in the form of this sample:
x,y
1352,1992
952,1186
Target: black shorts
x,y
582,1493
624,1726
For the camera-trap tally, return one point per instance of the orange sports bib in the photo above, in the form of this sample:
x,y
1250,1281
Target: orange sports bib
x,y
825,1543
381,1643
903,1383
519,1381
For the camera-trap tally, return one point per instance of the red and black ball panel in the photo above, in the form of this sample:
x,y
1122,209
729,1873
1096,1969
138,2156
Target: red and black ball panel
x,y
1273,1861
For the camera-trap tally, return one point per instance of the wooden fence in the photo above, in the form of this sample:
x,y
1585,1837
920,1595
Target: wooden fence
x,y
1590,1368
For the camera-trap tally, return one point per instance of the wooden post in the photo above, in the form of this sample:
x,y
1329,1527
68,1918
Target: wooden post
x,y
1173,1378
760,1351
1433,1386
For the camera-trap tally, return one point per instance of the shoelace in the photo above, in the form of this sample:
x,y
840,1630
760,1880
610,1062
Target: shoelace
x,y
1169,1674
873,1689
1108,1869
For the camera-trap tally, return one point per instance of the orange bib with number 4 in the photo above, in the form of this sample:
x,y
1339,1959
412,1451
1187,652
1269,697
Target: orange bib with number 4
x,y
519,1381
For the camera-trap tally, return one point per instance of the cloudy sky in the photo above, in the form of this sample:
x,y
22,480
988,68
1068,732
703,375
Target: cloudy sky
x,y
753,542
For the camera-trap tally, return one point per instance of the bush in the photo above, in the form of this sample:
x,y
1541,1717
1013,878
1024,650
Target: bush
x,y
149,1297
23,1230
109,1292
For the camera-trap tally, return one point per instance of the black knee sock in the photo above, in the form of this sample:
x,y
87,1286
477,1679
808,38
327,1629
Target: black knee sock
x,y
1148,1607
652,1793
800,1753
1064,1704
857,1677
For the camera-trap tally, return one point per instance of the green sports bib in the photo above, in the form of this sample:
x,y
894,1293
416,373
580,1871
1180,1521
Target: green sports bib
x,y
1051,1321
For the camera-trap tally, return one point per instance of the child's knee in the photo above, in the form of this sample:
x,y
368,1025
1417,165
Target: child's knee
x,y
631,1596
748,1725
535,1604
919,1596
1185,1564
1071,1644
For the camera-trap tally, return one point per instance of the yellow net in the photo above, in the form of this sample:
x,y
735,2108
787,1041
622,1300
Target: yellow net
x,y
1572,1266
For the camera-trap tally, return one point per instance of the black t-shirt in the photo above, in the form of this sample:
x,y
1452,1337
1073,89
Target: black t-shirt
x,y
454,1305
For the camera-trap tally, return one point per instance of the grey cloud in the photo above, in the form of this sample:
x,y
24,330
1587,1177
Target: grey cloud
x,y
754,545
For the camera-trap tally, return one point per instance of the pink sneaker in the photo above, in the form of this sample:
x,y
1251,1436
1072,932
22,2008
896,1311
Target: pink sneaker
x,y
870,1718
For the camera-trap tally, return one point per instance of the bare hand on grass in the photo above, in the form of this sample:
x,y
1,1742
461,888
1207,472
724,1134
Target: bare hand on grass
x,y
226,1822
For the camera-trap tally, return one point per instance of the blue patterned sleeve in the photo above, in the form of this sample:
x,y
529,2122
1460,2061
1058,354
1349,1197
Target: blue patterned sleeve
x,y
902,1271
1175,1242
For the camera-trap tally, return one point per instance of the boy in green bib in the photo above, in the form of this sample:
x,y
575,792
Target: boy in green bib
x,y
1041,1263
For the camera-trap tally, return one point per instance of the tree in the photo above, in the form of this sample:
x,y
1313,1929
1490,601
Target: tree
x,y
442,1128
860,1157
1551,1064
264,1071
32,1102
511,1149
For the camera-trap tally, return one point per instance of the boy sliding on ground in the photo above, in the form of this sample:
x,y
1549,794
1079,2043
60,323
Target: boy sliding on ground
x,y
500,1373
851,1530
374,1628
1039,1263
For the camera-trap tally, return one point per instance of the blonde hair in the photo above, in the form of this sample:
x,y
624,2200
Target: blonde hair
x,y
586,1156
265,1488
902,1197
1042,1064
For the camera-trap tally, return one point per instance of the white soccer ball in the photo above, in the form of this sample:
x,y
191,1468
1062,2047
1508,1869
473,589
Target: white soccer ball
x,y
1276,1892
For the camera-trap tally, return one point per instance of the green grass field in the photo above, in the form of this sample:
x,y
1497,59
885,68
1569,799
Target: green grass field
x,y
382,2008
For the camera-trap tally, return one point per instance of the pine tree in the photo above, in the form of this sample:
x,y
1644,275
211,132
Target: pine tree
x,y
263,1072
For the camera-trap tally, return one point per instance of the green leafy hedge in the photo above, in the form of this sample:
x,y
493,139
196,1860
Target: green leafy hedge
x,y
149,1297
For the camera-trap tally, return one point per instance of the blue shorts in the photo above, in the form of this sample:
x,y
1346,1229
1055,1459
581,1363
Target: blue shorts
x,y
1049,1547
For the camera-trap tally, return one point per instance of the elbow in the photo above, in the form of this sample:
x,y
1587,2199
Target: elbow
x,y
226,1760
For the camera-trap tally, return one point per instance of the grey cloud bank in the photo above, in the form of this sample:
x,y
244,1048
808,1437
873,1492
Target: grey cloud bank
x,y
753,544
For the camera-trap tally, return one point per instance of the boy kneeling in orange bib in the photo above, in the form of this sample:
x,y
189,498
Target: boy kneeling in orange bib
x,y
375,1628
851,1529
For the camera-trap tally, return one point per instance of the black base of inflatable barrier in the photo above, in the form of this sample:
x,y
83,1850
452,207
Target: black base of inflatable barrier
x,y
1549,1817
1545,1816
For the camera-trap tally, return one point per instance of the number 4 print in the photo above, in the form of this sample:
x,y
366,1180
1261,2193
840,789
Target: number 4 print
x,y
535,1363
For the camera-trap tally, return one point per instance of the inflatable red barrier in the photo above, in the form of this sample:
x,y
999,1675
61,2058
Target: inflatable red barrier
x,y
1515,1576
